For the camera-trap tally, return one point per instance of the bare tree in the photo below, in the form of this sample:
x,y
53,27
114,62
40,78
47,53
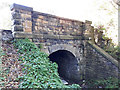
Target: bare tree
x,y
117,2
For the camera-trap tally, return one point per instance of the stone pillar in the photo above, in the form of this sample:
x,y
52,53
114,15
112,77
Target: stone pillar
x,y
89,32
21,18
92,35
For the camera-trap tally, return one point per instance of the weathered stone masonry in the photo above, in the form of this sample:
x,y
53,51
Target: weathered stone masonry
x,y
28,21
56,33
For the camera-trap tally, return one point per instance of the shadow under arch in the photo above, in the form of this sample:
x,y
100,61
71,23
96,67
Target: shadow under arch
x,y
68,67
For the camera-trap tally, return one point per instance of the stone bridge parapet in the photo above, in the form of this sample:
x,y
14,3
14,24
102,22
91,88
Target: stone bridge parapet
x,y
30,23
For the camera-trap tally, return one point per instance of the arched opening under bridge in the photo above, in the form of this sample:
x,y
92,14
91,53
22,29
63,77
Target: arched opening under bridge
x,y
68,67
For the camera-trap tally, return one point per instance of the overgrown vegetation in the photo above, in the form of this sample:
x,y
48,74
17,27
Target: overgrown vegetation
x,y
1,69
113,51
105,42
38,71
104,83
0,65
1,53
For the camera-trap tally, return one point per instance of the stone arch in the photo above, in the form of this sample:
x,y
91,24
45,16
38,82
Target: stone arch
x,y
68,67
70,48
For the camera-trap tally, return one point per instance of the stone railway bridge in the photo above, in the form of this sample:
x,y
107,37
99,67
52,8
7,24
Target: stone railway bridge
x,y
66,41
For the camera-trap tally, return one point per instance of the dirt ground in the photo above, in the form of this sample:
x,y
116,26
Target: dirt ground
x,y
11,67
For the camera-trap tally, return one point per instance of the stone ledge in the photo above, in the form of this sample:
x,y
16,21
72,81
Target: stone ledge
x,y
17,6
27,35
105,54
16,16
69,37
17,28
50,36
46,36
88,22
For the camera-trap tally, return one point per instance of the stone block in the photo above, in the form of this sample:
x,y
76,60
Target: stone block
x,y
65,33
36,27
15,11
48,44
27,16
88,22
41,17
16,16
17,28
28,30
45,32
23,24
37,23
50,36
45,22
66,37
21,7
23,16
75,30
68,22
73,33
81,23
29,19
40,28
37,36
29,23
70,28
79,32
60,33
61,21
22,35
70,42
39,20
25,12
17,22
42,41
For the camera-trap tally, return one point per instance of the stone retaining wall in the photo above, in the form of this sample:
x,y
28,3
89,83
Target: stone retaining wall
x,y
99,64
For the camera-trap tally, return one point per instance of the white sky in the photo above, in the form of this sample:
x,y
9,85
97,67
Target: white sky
x,y
74,9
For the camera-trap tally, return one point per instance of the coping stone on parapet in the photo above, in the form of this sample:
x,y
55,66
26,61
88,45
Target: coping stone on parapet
x,y
17,6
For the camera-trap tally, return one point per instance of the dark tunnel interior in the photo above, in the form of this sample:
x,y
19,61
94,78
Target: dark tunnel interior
x,y
67,65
